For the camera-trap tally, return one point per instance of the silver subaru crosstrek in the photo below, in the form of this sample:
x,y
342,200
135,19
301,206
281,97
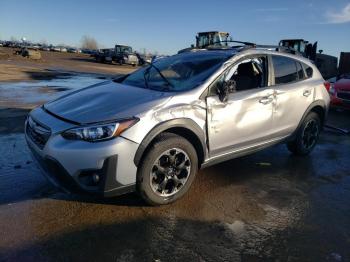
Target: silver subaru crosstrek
x,y
152,130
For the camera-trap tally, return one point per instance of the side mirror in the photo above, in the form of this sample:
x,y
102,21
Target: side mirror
x,y
225,89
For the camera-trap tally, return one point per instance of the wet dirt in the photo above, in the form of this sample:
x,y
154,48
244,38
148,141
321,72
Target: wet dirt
x,y
31,94
270,206
18,68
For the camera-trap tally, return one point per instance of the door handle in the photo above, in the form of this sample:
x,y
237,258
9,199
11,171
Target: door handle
x,y
306,93
266,100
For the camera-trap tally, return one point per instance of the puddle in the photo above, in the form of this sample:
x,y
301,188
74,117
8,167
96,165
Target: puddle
x,y
35,93
20,176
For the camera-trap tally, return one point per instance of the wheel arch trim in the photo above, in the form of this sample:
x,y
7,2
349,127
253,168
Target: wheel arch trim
x,y
183,123
311,107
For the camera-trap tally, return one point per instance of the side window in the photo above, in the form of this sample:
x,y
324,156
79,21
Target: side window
x,y
308,71
285,70
300,71
248,74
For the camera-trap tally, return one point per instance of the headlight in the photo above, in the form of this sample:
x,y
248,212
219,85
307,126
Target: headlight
x,y
98,132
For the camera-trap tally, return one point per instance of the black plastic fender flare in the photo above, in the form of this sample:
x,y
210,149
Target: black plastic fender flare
x,y
314,104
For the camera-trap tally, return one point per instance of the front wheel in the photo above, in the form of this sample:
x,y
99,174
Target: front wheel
x,y
306,136
167,170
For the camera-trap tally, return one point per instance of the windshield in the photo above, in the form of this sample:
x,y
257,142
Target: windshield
x,y
205,39
177,73
123,49
127,49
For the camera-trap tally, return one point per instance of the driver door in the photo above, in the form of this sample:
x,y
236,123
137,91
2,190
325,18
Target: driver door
x,y
245,119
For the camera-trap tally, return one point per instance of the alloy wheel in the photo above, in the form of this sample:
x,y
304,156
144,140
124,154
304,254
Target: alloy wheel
x,y
310,134
170,172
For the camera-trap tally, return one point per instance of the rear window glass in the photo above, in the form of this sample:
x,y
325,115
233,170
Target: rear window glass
x,y
285,70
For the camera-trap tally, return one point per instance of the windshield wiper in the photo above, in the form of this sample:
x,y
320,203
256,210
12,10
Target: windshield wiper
x,y
145,77
159,72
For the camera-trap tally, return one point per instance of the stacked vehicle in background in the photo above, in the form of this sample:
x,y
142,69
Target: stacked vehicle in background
x,y
210,38
327,64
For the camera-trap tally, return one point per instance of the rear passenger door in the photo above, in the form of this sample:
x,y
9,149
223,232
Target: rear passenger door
x,y
293,91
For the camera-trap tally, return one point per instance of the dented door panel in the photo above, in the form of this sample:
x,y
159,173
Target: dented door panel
x,y
244,120
292,100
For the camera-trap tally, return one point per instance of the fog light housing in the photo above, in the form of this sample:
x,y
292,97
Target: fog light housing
x,y
90,178
96,178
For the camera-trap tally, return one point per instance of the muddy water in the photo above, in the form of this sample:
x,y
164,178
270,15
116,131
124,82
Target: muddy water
x,y
268,206
30,94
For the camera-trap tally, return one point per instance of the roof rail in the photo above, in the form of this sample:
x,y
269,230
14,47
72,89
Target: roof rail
x,y
230,41
279,48
248,45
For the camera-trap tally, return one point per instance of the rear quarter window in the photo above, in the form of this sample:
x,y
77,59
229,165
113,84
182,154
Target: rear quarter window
x,y
308,70
285,70
300,71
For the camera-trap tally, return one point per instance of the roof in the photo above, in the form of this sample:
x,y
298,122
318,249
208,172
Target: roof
x,y
124,45
213,32
294,40
210,52
230,52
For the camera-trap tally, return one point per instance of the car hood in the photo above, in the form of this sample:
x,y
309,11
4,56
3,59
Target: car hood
x,y
105,101
342,85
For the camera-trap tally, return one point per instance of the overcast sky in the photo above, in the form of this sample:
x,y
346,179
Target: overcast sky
x,y
167,26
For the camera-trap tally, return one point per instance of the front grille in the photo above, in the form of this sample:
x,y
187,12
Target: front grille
x,y
37,132
343,95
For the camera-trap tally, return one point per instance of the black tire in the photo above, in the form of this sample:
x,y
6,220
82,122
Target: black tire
x,y
166,143
305,141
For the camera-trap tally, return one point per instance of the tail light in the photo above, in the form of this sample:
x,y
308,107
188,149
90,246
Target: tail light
x,y
327,85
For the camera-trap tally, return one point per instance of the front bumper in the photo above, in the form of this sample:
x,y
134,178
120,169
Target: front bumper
x,y
76,165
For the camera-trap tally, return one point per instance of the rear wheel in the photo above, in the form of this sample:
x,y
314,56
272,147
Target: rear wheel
x,y
167,170
306,136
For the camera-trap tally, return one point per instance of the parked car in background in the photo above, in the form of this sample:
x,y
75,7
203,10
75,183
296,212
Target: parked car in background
x,y
104,55
13,44
72,50
55,49
88,51
153,129
340,92
44,48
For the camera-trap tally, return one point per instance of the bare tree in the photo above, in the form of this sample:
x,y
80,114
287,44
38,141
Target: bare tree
x,y
88,42
13,39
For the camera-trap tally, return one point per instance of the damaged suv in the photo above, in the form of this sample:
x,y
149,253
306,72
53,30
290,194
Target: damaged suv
x,y
152,130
